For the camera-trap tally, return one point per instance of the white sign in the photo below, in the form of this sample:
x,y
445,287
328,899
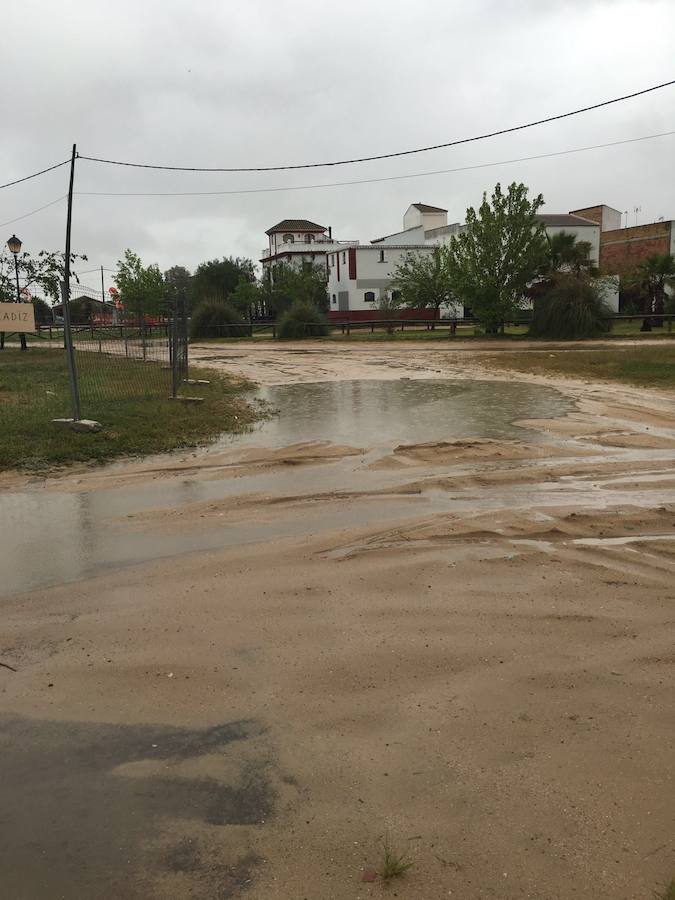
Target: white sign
x,y
17,317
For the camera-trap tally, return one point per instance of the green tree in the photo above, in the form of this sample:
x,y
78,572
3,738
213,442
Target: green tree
x,y
306,285
142,289
303,319
567,254
44,272
501,250
387,306
220,277
425,280
574,308
655,274
178,279
43,311
569,297
215,317
247,298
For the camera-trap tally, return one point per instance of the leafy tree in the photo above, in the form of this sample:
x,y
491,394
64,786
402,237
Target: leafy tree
x,y
44,272
220,277
387,306
501,250
574,308
43,311
567,254
248,299
142,289
178,280
425,281
655,274
302,320
569,296
215,317
306,285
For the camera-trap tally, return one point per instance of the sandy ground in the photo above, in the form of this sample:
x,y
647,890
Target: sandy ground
x,y
463,649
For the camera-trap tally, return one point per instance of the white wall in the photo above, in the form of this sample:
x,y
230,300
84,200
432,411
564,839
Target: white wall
x,y
412,236
414,217
611,218
277,239
371,275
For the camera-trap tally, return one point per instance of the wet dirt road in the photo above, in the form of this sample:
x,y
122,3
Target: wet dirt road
x,y
436,612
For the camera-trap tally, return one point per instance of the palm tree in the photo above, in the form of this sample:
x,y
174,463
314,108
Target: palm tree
x,y
655,273
568,299
567,254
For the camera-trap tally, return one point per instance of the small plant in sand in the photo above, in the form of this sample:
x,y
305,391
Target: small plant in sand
x,y
394,864
668,893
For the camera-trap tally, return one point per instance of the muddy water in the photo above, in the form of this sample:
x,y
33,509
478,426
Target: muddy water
x,y
386,413
52,537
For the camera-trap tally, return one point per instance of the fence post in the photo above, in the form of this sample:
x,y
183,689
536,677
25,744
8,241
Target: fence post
x,y
174,352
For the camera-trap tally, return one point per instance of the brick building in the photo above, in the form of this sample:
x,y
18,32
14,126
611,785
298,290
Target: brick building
x,y
622,249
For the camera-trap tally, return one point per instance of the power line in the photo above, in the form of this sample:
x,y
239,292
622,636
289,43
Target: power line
x,y
34,175
344,162
32,212
308,187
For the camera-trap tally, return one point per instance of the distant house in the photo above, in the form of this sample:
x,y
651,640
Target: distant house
x,y
622,249
295,243
85,309
358,274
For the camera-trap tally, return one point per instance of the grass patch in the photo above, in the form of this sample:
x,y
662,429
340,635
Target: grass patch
x,y
652,367
129,397
394,865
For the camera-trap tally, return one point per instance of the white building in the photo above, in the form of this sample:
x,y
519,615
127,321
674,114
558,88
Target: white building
x,y
358,274
296,243
582,229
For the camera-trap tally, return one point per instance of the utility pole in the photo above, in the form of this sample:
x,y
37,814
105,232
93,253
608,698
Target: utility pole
x,y
22,337
65,290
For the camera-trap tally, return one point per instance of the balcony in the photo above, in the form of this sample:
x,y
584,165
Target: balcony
x,y
324,245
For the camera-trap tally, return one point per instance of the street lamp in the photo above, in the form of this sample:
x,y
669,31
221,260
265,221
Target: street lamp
x,y
14,245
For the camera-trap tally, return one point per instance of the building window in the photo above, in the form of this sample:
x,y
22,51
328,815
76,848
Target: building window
x,y
288,239
395,295
332,259
334,299
308,238
344,256
369,296
381,259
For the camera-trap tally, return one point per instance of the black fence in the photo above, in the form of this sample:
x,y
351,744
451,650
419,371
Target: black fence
x,y
347,326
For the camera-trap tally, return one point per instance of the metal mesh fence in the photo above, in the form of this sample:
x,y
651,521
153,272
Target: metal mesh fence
x,y
121,363
114,363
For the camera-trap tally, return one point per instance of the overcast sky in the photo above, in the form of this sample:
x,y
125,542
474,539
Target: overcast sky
x,y
219,83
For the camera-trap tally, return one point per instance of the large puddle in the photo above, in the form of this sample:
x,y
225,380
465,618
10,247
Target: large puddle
x,y
386,413
51,536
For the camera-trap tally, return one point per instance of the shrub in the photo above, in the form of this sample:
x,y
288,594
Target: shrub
x,y
302,320
574,308
216,318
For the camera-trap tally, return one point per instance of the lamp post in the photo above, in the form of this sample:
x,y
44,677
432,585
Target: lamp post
x,y
14,245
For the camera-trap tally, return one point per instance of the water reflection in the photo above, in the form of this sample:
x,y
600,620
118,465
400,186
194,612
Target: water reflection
x,y
380,413
51,537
